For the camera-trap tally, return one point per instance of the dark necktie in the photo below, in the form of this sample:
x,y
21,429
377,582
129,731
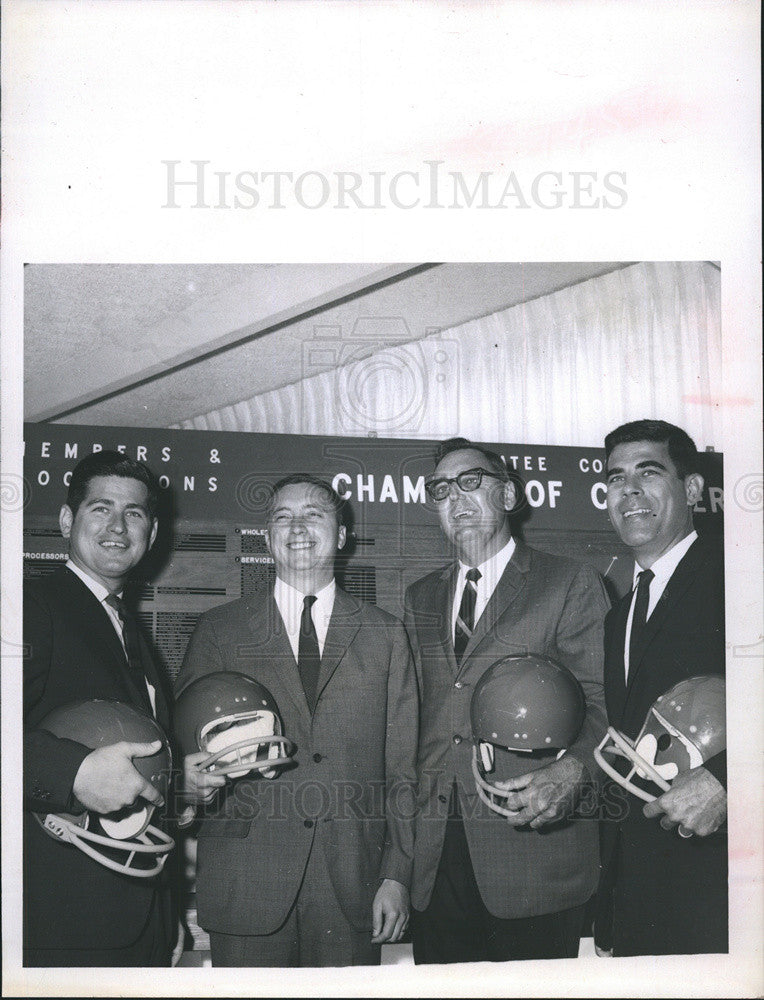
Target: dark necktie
x,y
132,644
308,655
465,619
639,618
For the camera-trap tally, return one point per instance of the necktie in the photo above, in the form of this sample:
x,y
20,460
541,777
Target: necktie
x,y
639,618
465,619
308,655
130,636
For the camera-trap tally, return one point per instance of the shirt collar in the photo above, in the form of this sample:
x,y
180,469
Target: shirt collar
x,y
664,567
493,567
285,594
96,588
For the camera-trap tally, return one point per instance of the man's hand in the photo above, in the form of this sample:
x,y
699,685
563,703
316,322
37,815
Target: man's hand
x,y
177,951
107,781
199,786
390,912
546,795
696,801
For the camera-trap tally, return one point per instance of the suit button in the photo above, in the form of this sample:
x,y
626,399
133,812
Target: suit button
x,y
442,798
458,685
317,758
308,823
457,739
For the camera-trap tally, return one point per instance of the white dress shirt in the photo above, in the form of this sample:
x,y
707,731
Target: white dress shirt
x,y
101,593
663,569
290,602
490,574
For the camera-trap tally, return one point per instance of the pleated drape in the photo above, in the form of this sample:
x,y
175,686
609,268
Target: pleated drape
x,y
643,341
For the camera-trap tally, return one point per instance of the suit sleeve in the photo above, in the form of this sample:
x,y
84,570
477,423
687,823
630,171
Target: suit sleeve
x,y
581,646
50,763
409,621
400,760
718,767
202,657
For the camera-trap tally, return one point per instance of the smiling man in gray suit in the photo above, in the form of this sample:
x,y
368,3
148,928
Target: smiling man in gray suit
x,y
489,887
312,867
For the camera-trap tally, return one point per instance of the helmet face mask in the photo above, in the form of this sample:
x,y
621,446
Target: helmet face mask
x,y
124,841
236,722
684,728
526,711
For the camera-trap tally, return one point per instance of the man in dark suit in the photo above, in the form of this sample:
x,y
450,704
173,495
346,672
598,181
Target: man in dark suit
x,y
666,863
76,911
312,866
486,887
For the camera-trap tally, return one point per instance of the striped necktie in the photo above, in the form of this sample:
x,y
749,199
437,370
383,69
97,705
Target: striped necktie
x,y
465,619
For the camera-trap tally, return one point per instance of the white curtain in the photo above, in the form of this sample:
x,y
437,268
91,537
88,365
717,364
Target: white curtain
x,y
643,341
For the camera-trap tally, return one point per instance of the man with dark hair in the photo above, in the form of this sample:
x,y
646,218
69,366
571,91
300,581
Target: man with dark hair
x,y
665,864
311,867
681,447
111,463
489,887
78,912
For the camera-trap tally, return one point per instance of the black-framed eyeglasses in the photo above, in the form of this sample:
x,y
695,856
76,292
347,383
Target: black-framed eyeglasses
x,y
467,481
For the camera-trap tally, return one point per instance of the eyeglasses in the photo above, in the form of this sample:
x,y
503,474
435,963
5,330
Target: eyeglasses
x,y
468,482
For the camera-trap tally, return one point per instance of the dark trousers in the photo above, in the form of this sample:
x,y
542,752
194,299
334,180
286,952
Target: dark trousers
x,y
152,949
457,927
316,932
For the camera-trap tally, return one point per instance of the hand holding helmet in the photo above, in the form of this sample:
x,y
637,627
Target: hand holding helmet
x,y
108,780
526,711
664,765
119,784
228,725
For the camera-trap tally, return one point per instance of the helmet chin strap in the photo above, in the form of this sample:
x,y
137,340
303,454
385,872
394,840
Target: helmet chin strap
x,y
488,793
151,841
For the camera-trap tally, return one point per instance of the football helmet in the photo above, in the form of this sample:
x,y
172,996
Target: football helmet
x,y
525,711
236,722
124,841
684,728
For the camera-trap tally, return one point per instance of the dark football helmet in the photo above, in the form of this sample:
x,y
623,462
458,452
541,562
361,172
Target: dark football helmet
x,y
526,711
124,841
236,722
684,728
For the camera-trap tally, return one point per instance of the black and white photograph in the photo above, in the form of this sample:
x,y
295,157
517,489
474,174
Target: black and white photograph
x,y
381,563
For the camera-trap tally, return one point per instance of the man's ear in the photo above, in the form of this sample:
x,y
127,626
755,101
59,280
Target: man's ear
x,y
341,536
509,496
267,537
153,535
693,487
65,520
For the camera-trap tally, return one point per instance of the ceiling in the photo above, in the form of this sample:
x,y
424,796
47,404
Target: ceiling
x,y
149,345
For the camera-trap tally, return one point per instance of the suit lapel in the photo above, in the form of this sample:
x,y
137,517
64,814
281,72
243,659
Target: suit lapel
x,y
678,583
101,629
615,678
343,625
274,656
511,584
443,602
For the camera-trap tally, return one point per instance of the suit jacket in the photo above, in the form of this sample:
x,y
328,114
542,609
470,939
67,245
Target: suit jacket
x,y
542,604
71,901
670,894
353,769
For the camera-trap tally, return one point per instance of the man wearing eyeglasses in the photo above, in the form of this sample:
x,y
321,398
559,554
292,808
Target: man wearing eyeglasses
x,y
488,887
